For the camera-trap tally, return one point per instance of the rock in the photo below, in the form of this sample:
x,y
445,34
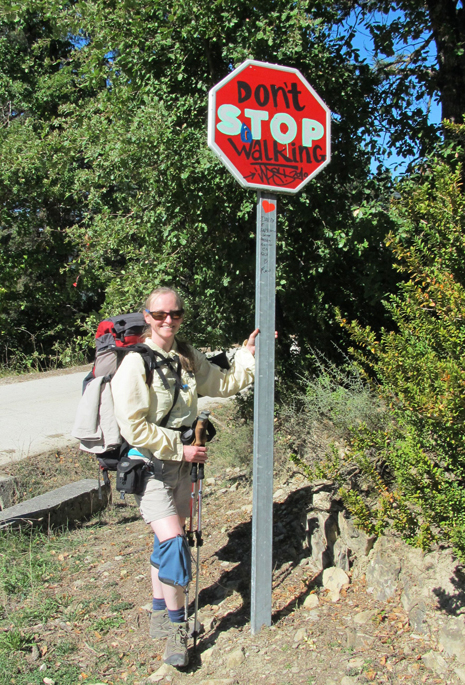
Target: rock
x,y
363,641
300,635
314,615
382,574
460,673
351,637
322,500
207,654
206,622
434,662
218,681
364,617
316,540
359,543
279,493
235,658
416,617
162,672
348,680
105,567
334,579
311,602
210,481
321,534
196,626
355,665
247,508
341,555
428,581
7,491
452,638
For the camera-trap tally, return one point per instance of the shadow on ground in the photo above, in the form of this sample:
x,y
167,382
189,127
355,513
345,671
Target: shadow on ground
x,y
289,548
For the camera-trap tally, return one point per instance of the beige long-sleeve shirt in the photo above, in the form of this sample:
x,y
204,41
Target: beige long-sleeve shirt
x,y
139,409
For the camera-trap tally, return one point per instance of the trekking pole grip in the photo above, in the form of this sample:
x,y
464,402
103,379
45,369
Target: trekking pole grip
x,y
194,472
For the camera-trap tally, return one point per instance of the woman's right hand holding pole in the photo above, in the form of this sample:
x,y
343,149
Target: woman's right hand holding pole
x,y
195,453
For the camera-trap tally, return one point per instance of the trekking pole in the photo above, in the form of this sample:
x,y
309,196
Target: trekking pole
x,y
200,439
190,531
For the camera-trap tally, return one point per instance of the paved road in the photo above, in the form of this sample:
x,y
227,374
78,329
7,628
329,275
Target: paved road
x,y
37,415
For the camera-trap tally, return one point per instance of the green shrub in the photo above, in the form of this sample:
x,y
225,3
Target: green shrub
x,y
419,366
315,422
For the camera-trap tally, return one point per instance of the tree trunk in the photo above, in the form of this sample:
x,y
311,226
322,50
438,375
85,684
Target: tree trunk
x,y
448,25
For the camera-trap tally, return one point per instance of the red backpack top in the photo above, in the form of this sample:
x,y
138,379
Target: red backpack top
x,y
121,330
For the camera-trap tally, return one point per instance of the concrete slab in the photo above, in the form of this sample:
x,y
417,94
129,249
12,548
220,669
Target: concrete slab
x,y
65,505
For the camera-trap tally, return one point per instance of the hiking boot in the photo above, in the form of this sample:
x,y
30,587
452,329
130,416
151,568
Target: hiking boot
x,y
176,646
160,624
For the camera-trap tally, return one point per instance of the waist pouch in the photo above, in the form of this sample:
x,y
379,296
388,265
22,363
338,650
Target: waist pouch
x,y
130,476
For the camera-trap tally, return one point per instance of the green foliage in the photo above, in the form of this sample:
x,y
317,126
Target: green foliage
x,y
405,33
420,364
39,307
22,570
233,443
103,625
116,192
14,641
162,209
316,422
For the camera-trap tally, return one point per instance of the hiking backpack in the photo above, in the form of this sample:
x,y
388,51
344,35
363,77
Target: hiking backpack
x,y
114,338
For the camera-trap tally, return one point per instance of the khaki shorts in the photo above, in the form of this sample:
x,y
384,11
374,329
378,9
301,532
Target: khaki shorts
x,y
167,495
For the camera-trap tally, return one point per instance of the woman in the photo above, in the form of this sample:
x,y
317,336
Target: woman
x,y
140,410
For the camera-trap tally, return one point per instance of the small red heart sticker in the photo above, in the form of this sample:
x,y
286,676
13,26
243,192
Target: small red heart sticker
x,y
268,206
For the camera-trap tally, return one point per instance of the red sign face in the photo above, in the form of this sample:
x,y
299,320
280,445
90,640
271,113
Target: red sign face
x,y
269,127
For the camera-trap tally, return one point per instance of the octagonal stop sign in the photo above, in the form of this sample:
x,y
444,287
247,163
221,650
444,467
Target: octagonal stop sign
x,y
269,127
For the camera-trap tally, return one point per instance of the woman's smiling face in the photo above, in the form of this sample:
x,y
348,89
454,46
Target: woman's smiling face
x,y
163,332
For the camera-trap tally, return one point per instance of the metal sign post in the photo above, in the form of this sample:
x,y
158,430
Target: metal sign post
x,y
262,517
273,132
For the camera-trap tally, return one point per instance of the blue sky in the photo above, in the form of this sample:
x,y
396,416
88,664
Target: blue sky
x,y
364,43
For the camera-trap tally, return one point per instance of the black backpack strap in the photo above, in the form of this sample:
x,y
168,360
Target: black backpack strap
x,y
164,420
153,361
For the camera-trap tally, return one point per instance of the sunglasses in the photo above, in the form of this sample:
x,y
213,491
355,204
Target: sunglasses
x,y
161,316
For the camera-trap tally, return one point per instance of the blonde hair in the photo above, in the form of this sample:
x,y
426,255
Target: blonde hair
x,y
184,351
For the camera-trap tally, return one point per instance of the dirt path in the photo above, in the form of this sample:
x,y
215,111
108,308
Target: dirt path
x,y
99,590
106,580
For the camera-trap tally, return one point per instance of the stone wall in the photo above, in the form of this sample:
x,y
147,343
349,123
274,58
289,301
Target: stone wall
x,y
431,585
